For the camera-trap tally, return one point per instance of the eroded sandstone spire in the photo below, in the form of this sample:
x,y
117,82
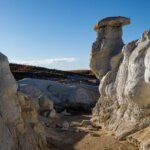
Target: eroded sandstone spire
x,y
106,49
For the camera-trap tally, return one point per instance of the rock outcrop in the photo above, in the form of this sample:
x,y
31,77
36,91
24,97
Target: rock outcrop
x,y
106,50
72,97
124,104
42,103
20,128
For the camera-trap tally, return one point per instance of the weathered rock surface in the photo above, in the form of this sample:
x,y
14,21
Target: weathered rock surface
x,y
20,128
112,21
125,98
72,97
41,102
106,50
141,138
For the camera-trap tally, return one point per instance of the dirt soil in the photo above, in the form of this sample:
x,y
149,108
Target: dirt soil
x,y
79,138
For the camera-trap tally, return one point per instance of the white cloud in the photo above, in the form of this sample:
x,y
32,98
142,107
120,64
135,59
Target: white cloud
x,y
44,61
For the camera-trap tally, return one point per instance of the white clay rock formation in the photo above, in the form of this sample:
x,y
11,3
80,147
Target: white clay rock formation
x,y
65,96
124,104
20,128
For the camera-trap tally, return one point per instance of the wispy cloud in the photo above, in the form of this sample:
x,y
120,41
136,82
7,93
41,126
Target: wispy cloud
x,y
44,61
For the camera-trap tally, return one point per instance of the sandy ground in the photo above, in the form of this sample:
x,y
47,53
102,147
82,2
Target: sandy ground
x,y
79,138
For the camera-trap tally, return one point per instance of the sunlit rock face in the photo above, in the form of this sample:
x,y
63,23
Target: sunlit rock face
x,y
124,104
20,128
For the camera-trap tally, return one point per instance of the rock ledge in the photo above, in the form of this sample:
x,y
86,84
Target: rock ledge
x,y
112,21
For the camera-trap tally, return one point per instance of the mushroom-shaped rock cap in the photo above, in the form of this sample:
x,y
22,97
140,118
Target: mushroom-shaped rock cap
x,y
112,21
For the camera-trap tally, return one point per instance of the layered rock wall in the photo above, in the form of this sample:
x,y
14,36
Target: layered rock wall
x,y
124,103
20,128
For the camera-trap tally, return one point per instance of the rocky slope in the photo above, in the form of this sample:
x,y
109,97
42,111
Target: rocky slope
x,y
20,128
71,76
124,74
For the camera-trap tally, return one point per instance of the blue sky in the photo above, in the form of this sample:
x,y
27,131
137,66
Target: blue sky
x,y
59,33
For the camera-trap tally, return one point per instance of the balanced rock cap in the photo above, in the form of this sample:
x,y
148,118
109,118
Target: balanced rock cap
x,y
112,21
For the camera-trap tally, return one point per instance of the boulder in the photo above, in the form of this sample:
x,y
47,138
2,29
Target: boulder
x,y
72,97
52,113
41,101
123,106
20,128
65,125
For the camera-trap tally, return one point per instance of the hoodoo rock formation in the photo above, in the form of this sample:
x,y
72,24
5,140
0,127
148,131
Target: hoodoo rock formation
x,y
20,128
106,50
124,70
